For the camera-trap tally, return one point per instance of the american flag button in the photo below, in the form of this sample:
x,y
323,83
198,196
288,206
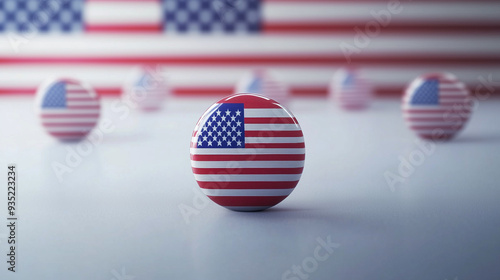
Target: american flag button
x,y
436,106
67,108
264,82
350,90
247,152
146,88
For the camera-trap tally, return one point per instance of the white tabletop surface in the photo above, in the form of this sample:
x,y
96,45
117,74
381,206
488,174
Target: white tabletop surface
x,y
117,214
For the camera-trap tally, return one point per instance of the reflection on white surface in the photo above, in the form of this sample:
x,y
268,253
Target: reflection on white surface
x,y
118,211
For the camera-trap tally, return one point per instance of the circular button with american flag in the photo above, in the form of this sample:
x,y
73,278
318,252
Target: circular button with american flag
x,y
436,106
68,109
146,88
350,89
263,82
247,152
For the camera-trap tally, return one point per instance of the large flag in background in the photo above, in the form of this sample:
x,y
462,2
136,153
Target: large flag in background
x,y
205,46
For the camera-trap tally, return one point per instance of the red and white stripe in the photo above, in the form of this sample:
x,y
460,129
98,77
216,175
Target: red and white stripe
x,y
77,119
264,172
443,121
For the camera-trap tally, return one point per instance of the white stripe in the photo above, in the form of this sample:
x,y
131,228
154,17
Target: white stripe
x,y
407,106
63,111
70,120
122,12
320,11
455,85
82,103
445,122
30,75
455,92
70,95
435,115
243,192
89,45
266,140
72,87
267,113
247,164
247,178
272,127
243,151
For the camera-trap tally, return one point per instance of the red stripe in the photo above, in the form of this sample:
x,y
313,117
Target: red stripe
x,y
416,27
77,91
249,185
309,91
270,120
275,145
263,133
67,124
437,119
325,59
81,99
84,107
292,157
124,28
437,111
214,171
453,103
57,116
250,102
449,127
247,200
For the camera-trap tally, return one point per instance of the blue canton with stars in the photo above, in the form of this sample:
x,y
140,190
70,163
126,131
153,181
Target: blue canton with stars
x,y
41,15
55,96
426,94
224,128
211,16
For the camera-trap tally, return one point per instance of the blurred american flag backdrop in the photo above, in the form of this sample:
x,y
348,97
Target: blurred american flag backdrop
x,y
206,46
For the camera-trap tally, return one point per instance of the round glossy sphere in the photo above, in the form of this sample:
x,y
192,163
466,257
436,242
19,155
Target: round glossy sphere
x,y
67,108
247,152
262,82
350,90
436,106
146,88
